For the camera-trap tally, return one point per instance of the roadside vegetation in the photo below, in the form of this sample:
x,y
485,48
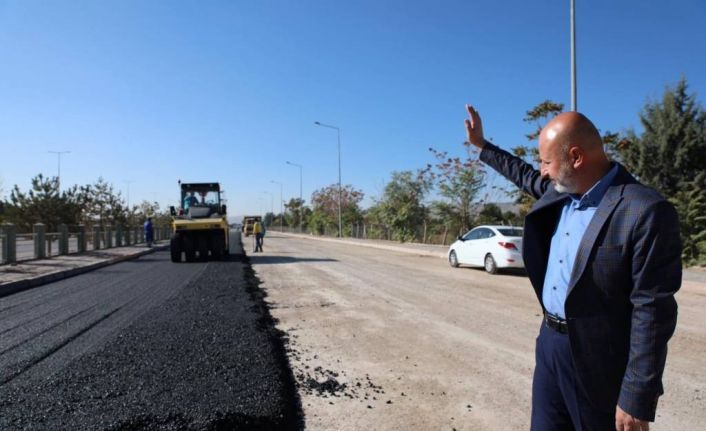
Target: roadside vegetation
x,y
443,199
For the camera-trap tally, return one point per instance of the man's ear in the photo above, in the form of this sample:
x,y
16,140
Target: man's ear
x,y
576,157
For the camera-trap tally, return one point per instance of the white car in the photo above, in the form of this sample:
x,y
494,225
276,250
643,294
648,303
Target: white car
x,y
492,247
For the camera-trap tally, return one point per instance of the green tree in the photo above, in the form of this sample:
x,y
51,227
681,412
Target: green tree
x,y
148,209
401,206
457,180
670,155
690,203
324,216
295,211
269,219
43,204
102,205
490,214
671,151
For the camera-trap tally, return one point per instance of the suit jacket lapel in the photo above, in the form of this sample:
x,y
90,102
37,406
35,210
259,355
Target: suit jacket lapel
x,y
610,200
549,198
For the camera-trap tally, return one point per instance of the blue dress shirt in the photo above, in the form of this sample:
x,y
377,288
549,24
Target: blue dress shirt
x,y
575,217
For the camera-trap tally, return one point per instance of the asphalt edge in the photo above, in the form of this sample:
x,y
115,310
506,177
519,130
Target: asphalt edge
x,y
22,285
293,417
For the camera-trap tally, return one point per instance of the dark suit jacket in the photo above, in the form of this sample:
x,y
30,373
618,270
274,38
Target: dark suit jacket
x,y
620,305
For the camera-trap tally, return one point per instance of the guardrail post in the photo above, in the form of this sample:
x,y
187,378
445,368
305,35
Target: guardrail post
x,y
9,243
40,240
108,236
63,239
81,238
96,238
119,236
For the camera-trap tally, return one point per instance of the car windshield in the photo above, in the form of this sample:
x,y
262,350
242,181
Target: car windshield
x,y
510,231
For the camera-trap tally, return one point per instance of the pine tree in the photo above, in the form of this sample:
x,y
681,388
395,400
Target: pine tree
x,y
671,152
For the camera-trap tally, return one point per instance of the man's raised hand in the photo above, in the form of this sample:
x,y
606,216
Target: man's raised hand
x,y
474,128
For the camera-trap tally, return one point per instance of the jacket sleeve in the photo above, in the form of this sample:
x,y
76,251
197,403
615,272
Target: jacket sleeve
x,y
519,172
656,275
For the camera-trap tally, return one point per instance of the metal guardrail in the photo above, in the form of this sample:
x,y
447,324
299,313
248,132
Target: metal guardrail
x,y
39,244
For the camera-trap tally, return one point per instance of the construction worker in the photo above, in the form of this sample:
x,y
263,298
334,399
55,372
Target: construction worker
x,y
190,200
259,234
149,232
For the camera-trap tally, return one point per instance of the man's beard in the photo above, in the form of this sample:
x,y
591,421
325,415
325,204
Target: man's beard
x,y
565,182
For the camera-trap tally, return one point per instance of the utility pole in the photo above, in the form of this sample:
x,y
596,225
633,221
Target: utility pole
x,y
573,55
128,193
338,134
281,213
58,176
301,200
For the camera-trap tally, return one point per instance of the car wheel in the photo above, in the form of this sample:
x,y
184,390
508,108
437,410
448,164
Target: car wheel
x,y
453,260
490,265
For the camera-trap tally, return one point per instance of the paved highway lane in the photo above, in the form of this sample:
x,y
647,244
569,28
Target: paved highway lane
x,y
43,329
145,345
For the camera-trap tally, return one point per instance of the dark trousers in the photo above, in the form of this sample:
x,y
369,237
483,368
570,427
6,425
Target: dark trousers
x,y
258,241
558,402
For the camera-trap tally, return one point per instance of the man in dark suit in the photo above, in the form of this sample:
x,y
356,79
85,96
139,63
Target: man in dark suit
x,y
603,254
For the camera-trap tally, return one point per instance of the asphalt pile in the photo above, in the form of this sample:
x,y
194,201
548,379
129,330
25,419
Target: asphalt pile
x,y
210,358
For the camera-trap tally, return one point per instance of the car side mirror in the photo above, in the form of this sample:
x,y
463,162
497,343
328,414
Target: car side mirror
x,y
172,210
223,209
460,238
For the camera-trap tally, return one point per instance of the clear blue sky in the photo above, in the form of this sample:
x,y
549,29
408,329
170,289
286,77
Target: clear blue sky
x,y
155,91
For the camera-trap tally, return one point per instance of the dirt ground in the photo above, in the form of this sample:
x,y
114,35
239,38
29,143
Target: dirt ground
x,y
387,340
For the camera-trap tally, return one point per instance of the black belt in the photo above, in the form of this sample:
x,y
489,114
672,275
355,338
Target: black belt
x,y
556,323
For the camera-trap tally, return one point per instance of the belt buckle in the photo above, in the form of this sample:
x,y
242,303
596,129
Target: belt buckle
x,y
556,323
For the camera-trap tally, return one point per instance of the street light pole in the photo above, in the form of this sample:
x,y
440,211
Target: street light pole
x,y
301,201
272,202
128,193
338,134
281,213
58,176
573,55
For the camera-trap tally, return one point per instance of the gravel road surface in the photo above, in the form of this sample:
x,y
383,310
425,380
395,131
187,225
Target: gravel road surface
x,y
386,340
145,344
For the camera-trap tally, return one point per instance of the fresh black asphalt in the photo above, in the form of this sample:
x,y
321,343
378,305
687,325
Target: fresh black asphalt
x,y
146,344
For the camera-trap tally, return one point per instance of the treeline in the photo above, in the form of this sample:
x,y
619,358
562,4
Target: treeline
x,y
442,199
669,154
91,205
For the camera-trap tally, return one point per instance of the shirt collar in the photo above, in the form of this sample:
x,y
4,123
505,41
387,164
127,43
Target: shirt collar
x,y
594,195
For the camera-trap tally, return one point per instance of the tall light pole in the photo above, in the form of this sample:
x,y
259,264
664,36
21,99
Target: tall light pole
x,y
573,55
338,133
128,192
272,202
58,176
301,201
281,213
